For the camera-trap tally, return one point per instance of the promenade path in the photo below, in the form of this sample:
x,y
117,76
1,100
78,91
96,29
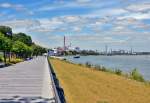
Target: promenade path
x,y
27,82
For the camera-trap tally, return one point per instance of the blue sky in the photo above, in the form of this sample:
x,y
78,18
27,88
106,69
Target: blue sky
x,y
89,24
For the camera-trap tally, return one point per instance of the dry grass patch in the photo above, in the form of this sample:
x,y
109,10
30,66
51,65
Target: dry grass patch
x,y
82,85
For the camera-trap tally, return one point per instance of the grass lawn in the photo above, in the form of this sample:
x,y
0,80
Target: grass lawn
x,y
82,85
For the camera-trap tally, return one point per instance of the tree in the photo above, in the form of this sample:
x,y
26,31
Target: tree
x,y
2,41
38,50
20,44
7,31
5,45
21,49
22,37
29,51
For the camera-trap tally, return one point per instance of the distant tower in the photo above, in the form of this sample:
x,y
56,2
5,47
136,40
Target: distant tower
x,y
106,49
131,50
64,43
111,51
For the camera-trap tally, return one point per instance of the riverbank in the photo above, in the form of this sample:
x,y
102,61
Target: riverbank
x,y
124,63
82,85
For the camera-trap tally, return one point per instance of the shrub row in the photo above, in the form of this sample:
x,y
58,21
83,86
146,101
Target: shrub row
x,y
134,74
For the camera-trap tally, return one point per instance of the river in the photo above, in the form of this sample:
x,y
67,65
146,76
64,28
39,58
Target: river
x,y
124,63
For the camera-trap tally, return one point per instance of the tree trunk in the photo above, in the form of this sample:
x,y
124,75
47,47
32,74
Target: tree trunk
x,y
9,56
5,57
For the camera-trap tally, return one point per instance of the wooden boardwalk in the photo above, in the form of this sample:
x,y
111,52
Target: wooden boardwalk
x,y
27,81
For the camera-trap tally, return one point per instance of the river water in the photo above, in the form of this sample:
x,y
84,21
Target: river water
x,y
124,63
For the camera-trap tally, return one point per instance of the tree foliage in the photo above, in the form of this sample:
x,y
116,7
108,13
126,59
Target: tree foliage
x,y
7,31
38,50
21,49
21,44
22,37
5,43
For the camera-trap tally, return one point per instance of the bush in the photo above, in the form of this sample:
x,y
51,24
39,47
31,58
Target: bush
x,y
103,69
118,72
136,75
80,64
87,64
64,59
98,67
14,61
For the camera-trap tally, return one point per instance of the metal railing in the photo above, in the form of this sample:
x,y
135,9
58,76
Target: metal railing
x,y
58,91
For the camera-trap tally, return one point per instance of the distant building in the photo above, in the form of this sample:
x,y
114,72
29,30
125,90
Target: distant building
x,y
55,51
50,52
77,49
60,50
118,52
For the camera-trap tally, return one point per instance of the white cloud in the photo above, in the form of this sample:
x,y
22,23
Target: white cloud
x,y
74,4
140,7
9,5
5,5
72,18
58,5
77,29
90,27
84,1
76,24
53,23
20,25
17,7
1,14
110,12
138,16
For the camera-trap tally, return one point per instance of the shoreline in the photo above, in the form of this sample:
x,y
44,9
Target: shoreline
x,y
124,63
119,72
129,75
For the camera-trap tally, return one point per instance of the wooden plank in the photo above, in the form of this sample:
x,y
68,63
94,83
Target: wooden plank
x,y
26,79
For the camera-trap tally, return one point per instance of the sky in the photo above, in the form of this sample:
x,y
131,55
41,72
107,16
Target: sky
x,y
88,24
